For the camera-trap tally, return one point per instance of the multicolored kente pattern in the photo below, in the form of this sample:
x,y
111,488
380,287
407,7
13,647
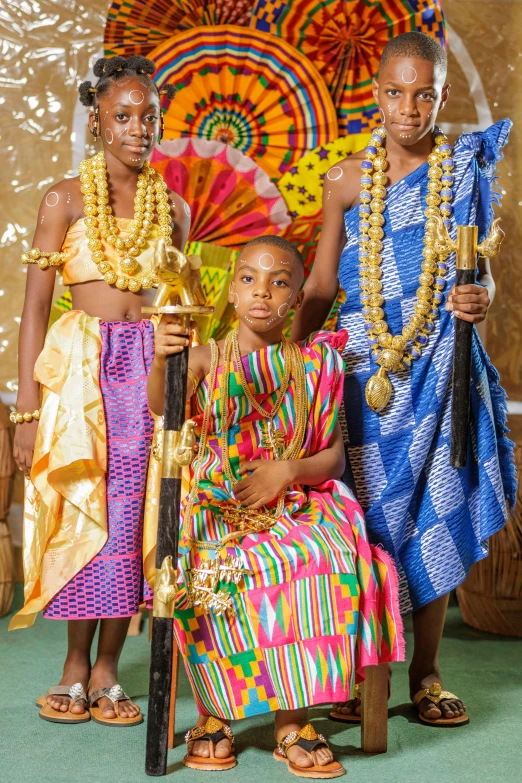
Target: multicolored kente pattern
x,y
320,604
112,583
434,520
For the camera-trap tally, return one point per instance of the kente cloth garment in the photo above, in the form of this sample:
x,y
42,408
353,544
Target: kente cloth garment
x,y
83,513
433,519
319,603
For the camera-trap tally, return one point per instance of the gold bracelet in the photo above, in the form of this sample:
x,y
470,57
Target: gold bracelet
x,y
19,418
192,378
36,256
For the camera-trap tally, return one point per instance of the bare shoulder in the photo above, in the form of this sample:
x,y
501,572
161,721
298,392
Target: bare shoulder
x,y
180,215
341,183
200,360
63,201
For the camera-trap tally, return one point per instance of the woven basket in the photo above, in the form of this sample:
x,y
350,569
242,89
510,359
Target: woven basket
x,y
7,469
491,597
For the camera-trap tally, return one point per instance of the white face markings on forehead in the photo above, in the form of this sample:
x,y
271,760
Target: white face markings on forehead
x,y
334,173
266,261
109,136
285,307
409,75
52,198
138,98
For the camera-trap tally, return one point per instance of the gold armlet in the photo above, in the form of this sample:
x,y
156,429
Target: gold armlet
x,y
19,418
192,378
44,260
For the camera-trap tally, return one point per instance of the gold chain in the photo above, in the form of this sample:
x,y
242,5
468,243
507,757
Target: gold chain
x,y
244,383
151,196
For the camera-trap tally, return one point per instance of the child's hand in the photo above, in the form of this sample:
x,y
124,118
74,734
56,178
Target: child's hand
x,y
170,337
264,480
469,302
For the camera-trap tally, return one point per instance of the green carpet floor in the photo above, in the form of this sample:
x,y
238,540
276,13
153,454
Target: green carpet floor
x,y
485,670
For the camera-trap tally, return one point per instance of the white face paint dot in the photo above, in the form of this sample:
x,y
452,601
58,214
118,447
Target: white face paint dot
x,y
334,173
409,75
283,309
266,261
136,97
52,199
109,136
187,209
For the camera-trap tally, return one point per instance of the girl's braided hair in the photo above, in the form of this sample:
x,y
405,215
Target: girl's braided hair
x,y
112,69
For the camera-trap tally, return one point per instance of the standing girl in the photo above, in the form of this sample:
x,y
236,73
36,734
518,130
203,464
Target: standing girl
x,y
84,428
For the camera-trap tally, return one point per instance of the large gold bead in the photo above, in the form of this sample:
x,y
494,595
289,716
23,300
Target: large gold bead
x,y
390,359
424,293
374,259
399,343
90,209
434,172
134,286
417,320
375,314
430,212
375,300
55,258
146,282
36,414
120,244
378,191
375,246
122,283
429,266
34,253
422,307
19,418
28,417
25,258
43,262
380,163
433,199
103,267
128,265
434,159
409,331
376,220
376,232
379,178
133,252
98,256
94,244
373,286
110,277
429,254
379,327
434,186
378,391
374,273
378,205
426,279
385,340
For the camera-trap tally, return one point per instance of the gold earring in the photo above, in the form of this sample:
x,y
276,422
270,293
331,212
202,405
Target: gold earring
x,y
96,124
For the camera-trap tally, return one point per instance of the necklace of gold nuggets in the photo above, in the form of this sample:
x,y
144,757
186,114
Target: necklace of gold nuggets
x,y
392,352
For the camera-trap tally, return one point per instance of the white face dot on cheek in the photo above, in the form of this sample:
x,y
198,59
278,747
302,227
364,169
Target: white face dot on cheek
x,y
52,198
109,136
409,75
334,173
266,261
283,309
136,97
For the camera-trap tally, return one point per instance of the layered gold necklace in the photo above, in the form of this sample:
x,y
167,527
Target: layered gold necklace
x,y
151,196
392,352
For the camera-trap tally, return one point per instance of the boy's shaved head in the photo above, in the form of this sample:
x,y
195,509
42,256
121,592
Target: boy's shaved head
x,y
281,243
418,45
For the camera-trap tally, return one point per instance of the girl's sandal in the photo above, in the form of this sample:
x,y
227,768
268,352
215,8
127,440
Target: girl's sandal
x,y
76,693
435,694
115,694
351,717
214,730
308,739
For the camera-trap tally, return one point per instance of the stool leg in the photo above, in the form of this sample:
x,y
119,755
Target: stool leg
x,y
173,691
374,723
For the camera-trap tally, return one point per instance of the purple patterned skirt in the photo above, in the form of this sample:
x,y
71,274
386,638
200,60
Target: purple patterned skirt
x,y
112,583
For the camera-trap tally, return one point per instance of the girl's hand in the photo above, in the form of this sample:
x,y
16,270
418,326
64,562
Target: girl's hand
x,y
264,480
469,302
170,337
24,439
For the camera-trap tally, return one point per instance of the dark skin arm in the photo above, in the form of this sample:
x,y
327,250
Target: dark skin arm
x,y
49,236
264,479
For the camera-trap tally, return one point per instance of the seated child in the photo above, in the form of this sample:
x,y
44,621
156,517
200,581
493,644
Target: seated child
x,y
285,602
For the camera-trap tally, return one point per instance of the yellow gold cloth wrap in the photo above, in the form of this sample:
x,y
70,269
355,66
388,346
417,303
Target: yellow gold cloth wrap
x,y
80,268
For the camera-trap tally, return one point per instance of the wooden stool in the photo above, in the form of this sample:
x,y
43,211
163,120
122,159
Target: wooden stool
x,y
374,724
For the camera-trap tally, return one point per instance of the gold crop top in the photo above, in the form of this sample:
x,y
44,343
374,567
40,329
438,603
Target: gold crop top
x,y
79,266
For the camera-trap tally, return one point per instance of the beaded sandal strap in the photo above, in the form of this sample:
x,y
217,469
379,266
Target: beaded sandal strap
x,y
116,693
76,692
213,730
434,693
306,738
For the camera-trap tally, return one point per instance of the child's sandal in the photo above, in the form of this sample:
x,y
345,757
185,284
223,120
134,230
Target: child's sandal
x,y
114,694
76,693
308,739
214,730
350,717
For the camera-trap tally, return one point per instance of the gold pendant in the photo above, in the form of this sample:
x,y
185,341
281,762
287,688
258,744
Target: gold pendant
x,y
272,439
378,390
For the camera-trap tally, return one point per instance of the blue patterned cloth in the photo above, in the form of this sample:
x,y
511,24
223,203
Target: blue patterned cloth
x,y
433,519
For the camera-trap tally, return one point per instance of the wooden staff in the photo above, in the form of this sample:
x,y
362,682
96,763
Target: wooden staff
x,y
179,282
467,248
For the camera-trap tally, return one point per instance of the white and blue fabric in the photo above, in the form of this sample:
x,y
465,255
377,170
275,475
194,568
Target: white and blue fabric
x,y
434,520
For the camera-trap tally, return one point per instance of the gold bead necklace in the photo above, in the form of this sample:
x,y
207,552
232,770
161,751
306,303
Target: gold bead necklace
x,y
151,196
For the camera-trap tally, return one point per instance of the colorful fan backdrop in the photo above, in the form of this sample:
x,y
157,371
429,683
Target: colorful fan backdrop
x,y
344,39
216,273
302,185
231,199
247,89
138,26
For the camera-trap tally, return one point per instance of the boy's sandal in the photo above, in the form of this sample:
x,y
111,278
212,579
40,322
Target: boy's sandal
x,y
351,717
435,694
114,694
214,730
76,693
308,739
